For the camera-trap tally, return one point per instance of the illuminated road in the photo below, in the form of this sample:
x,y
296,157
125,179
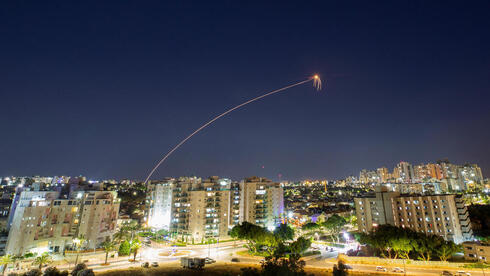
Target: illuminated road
x,y
225,252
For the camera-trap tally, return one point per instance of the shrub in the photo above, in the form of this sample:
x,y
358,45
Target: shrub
x,y
34,272
86,272
78,268
124,249
51,271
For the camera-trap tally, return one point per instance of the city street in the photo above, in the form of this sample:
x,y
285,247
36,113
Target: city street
x,y
226,251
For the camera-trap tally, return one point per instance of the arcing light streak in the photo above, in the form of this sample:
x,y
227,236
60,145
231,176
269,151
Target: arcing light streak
x,y
317,83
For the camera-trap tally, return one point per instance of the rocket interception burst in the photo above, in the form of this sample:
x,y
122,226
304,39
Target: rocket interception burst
x,y
317,83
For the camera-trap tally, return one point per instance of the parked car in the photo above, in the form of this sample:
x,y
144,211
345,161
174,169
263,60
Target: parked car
x,y
154,264
381,268
398,270
446,273
145,265
235,260
208,260
463,273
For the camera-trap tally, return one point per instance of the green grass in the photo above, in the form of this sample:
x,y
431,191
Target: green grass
x,y
311,253
477,265
246,253
339,245
179,244
145,234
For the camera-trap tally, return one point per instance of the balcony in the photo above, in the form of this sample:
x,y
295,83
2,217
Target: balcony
x,y
465,229
463,217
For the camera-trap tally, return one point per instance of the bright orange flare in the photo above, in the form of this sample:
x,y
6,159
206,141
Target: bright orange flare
x,y
317,82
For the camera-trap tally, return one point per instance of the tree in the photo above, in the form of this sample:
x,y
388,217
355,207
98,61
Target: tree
x,y
130,229
256,236
311,228
78,268
279,265
402,246
340,269
352,221
234,234
43,259
425,245
124,248
78,242
5,261
33,272
86,272
334,225
446,249
375,240
300,245
134,246
53,271
121,235
108,247
284,232
382,239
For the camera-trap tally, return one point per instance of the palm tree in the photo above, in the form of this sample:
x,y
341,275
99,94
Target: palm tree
x,y
43,259
108,247
121,234
135,245
78,242
132,228
5,261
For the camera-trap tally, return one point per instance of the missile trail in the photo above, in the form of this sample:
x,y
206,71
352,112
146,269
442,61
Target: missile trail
x,y
317,83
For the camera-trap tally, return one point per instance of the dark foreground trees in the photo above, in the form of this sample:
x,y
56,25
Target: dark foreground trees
x,y
393,242
278,264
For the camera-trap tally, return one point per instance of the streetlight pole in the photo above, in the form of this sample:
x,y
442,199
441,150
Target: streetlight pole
x,y
404,268
209,248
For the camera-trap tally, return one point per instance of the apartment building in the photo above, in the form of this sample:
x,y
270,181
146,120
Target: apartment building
x,y
428,187
476,251
262,201
49,220
195,209
159,202
442,215
235,194
200,209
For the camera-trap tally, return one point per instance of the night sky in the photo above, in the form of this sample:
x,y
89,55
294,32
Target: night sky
x,y
104,90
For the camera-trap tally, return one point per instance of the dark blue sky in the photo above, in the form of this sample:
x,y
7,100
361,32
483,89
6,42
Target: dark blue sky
x,y
105,89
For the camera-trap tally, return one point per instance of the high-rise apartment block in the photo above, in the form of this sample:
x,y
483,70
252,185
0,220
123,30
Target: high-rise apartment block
x,y
450,177
159,199
383,175
442,215
262,202
49,220
208,209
